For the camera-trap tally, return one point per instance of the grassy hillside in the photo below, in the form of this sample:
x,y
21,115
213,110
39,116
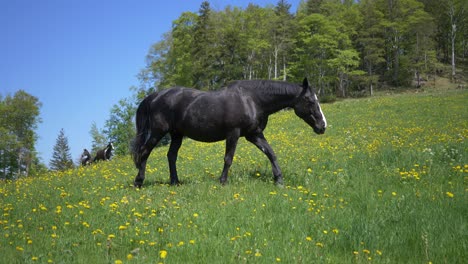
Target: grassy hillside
x,y
387,183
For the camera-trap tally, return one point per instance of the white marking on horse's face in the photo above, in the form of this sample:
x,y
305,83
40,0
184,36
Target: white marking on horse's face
x,y
320,109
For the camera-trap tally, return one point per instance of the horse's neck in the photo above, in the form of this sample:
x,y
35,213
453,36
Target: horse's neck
x,y
272,103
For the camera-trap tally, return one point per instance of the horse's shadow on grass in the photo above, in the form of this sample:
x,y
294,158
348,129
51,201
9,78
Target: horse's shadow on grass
x,y
254,175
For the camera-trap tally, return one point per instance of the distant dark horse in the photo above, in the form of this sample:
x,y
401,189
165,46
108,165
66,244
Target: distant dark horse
x,y
85,158
239,110
104,154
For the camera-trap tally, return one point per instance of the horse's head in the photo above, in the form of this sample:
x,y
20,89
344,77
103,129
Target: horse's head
x,y
110,146
308,108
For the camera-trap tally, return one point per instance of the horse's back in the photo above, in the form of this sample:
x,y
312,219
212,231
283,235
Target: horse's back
x,y
203,116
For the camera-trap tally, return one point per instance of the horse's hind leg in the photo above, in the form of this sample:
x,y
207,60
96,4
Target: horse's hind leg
x,y
176,142
231,144
143,153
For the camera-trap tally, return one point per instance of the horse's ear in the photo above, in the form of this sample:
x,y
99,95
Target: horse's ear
x,y
305,83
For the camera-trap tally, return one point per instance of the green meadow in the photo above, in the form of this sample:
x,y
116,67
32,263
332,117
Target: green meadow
x,y
386,183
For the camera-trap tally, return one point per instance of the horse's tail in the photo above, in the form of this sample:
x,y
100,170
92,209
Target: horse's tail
x,y
143,128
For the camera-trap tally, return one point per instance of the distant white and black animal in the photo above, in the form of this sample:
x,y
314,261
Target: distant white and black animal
x,y
239,110
104,154
85,158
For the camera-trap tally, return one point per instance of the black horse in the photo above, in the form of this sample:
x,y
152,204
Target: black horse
x,y
85,158
104,154
239,110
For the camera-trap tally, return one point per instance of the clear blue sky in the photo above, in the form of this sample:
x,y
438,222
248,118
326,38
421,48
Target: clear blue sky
x,y
80,57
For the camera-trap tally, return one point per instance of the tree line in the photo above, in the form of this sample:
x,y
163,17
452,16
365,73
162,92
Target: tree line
x,y
344,47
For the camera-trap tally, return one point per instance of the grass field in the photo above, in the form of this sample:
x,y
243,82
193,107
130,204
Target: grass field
x,y
387,183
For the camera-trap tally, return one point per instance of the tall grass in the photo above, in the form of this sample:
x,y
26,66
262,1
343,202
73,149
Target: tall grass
x,y
387,183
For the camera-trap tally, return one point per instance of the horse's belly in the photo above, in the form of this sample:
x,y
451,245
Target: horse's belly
x,y
206,135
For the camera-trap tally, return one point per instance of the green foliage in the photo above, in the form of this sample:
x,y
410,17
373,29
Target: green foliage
x,y
120,127
386,183
99,138
397,42
19,117
61,157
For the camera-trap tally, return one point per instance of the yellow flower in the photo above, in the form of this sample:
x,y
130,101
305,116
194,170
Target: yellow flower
x,y
129,256
122,227
318,244
309,238
34,258
163,254
449,194
195,215
278,260
118,261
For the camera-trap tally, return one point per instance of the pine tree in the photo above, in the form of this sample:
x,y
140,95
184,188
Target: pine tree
x,y
61,158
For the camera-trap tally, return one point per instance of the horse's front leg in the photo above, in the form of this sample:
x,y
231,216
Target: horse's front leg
x,y
176,142
261,143
231,144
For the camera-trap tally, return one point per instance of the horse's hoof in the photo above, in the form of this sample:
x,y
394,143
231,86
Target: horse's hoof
x,y
279,182
137,185
175,183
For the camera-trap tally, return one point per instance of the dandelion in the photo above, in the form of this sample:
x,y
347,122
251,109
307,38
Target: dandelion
x,y
129,256
19,248
118,261
191,241
122,227
309,238
163,254
34,258
257,253
366,251
278,259
318,244
195,215
394,193
449,194
336,231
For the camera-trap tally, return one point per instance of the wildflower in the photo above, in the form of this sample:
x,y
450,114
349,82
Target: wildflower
x,y
191,241
163,254
378,252
308,238
278,260
356,253
449,194
394,193
118,261
257,253
122,227
195,215
19,248
336,231
366,251
318,244
129,256
34,258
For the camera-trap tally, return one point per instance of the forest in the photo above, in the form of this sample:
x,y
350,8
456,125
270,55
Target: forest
x,y
346,48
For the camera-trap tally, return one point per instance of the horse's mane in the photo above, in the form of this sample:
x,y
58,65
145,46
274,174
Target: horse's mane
x,y
267,87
